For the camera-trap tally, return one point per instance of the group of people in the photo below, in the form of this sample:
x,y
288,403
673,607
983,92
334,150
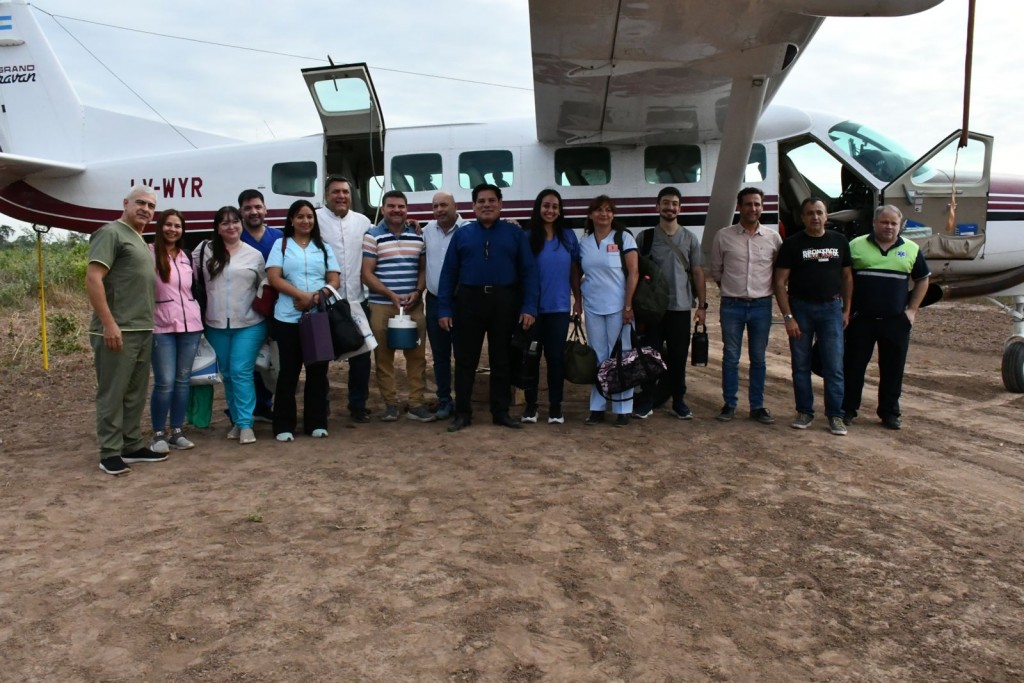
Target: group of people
x,y
462,281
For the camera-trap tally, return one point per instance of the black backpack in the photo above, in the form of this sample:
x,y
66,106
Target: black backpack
x,y
651,298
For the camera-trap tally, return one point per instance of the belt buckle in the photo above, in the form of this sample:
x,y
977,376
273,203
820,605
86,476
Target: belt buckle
x,y
488,289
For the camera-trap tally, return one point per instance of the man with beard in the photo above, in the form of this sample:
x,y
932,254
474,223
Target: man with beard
x,y
677,253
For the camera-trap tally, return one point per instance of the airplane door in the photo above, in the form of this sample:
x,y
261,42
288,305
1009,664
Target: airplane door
x,y
353,128
923,193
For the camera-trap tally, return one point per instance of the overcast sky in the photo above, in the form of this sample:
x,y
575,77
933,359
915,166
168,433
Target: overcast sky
x,y
903,77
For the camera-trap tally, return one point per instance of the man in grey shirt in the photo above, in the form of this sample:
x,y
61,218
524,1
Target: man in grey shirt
x,y
677,252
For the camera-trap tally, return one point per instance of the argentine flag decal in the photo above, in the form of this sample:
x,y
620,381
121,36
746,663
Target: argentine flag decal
x,y
6,23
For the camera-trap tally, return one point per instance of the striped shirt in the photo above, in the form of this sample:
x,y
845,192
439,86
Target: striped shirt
x,y
398,259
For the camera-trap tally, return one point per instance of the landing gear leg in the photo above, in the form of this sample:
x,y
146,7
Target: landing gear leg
x,y
1013,350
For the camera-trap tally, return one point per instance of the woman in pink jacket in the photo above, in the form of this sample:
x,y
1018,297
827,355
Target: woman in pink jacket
x,y
176,331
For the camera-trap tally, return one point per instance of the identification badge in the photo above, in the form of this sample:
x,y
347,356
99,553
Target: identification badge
x,y
612,254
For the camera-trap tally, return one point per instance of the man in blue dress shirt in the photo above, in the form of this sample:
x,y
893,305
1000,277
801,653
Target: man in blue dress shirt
x,y
488,281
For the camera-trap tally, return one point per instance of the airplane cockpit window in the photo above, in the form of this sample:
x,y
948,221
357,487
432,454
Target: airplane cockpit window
x,y
339,95
664,164
489,166
294,178
416,173
883,158
583,166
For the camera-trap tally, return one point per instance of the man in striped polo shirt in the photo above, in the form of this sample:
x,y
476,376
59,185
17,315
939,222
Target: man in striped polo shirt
x,y
394,268
882,312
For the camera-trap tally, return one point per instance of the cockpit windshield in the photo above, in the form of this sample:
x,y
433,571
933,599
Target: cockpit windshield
x,y
883,158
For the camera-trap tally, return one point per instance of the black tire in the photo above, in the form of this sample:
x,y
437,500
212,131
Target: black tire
x,y
1013,367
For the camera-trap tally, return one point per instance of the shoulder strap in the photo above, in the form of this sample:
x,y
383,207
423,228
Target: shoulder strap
x,y
618,239
679,252
646,240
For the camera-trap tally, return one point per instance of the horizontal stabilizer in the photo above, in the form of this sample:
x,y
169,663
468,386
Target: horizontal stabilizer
x,y
14,167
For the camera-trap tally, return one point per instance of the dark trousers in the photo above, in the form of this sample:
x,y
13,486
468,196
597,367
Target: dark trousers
x,y
892,335
314,395
441,349
550,331
477,314
674,333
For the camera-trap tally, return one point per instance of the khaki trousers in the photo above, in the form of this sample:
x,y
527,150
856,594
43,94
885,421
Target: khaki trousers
x,y
122,383
415,358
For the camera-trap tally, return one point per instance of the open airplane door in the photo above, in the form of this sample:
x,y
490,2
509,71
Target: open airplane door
x,y
924,191
353,128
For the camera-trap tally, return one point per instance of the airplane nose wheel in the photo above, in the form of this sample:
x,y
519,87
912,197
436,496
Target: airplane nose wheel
x,y
1013,351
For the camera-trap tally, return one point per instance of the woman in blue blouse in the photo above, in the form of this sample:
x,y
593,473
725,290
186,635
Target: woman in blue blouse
x,y
607,296
298,267
557,252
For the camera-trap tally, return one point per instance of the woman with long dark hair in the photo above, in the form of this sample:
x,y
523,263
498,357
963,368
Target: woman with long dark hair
x,y
177,327
233,271
557,252
608,259
298,267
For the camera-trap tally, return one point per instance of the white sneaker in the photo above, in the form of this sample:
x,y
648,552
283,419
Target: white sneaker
x,y
235,431
178,441
246,435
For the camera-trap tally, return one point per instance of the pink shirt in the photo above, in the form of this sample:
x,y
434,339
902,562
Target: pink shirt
x,y
176,310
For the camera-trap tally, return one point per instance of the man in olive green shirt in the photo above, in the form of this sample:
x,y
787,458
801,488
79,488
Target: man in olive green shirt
x,y
120,281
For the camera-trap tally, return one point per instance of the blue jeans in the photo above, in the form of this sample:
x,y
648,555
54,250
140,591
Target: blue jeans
x,y
173,355
237,349
823,321
441,349
754,315
602,333
551,331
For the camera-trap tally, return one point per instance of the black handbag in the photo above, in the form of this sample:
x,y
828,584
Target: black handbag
x,y
199,281
345,333
624,370
699,345
580,358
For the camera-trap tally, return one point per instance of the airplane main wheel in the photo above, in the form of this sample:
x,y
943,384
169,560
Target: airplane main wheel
x,y
1013,367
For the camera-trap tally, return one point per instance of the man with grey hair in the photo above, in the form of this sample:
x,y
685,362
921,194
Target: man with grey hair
x,y
120,281
882,312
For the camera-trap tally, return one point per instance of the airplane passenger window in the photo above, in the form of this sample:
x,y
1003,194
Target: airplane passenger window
x,y
294,178
339,95
664,164
583,166
488,166
416,172
757,165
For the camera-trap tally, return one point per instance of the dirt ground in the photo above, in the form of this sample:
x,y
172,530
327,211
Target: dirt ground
x,y
666,551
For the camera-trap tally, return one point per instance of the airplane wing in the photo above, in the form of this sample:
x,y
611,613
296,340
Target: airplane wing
x,y
674,71
15,167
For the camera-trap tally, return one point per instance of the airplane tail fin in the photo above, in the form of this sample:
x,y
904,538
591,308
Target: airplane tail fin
x,y
40,114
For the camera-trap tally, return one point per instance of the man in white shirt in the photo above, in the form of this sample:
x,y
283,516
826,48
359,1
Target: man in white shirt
x,y
343,230
437,234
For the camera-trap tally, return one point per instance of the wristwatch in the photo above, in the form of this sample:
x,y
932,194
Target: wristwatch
x,y
704,306
629,308
787,317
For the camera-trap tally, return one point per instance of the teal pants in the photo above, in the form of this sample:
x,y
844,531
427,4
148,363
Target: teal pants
x,y
122,383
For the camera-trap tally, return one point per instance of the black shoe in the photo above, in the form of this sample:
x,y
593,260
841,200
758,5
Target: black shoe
x,y
360,415
622,420
143,455
263,414
505,420
762,415
596,417
727,413
892,422
115,466
849,417
461,421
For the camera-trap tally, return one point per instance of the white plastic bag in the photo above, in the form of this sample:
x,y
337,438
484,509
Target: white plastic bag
x,y
204,367
268,362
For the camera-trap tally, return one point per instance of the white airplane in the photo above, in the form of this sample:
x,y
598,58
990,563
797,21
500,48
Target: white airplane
x,y
633,98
